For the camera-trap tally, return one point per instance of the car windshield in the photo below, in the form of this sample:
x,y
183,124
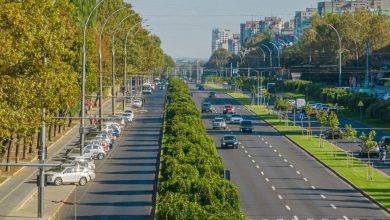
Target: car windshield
x,y
206,104
236,116
229,138
228,106
218,120
246,123
57,169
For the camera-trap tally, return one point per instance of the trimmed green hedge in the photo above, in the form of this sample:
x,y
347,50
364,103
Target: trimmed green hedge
x,y
373,107
191,184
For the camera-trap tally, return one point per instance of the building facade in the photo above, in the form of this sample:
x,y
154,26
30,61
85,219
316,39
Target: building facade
x,y
341,6
302,20
247,30
273,24
226,39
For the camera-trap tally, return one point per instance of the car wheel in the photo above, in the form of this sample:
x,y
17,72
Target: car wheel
x,y
100,156
83,181
58,181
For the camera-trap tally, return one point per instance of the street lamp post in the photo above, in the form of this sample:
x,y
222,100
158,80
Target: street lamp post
x,y
277,49
270,55
263,54
125,67
101,65
113,61
339,37
84,57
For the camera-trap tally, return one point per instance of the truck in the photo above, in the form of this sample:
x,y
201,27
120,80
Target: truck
x,y
300,103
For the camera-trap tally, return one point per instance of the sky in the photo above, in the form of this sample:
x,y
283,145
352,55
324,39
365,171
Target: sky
x,y
184,26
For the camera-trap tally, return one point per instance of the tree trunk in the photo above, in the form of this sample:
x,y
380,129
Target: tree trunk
x,y
70,121
49,133
24,148
3,151
17,149
55,127
38,139
7,168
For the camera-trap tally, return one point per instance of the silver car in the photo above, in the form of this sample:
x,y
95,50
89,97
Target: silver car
x,y
88,163
78,175
219,123
97,150
236,119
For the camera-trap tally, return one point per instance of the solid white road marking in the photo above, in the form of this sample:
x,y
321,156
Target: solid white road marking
x,y
313,187
305,179
280,197
273,188
266,179
288,208
322,196
333,206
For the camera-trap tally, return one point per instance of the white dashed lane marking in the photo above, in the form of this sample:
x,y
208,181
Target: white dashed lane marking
x,y
333,206
262,173
280,197
313,187
288,207
253,161
285,160
266,179
322,196
299,173
273,188
305,179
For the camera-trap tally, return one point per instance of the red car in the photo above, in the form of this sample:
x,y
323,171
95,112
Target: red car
x,y
228,108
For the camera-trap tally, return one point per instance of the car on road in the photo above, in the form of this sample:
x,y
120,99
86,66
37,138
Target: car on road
x,y
236,119
206,107
201,87
227,108
212,95
374,152
137,103
229,115
96,150
292,102
219,123
338,134
229,141
128,115
246,126
300,103
60,175
385,96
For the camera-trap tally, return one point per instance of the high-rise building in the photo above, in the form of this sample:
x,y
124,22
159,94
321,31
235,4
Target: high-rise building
x,y
224,38
247,30
273,24
341,6
302,20
288,27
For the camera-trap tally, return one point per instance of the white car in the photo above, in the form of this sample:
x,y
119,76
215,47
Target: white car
x,y
219,123
386,96
291,101
97,150
75,153
137,103
128,115
88,163
60,175
236,119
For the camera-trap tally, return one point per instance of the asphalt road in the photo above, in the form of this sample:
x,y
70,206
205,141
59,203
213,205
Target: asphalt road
x,y
277,180
125,184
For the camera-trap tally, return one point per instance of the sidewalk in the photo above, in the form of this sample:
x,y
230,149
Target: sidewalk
x,y
18,194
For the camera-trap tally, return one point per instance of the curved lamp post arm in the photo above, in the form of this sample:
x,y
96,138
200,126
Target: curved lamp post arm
x,y
108,19
339,37
277,49
263,54
270,54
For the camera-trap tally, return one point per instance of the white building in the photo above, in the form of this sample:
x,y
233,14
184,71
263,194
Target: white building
x,y
302,20
224,38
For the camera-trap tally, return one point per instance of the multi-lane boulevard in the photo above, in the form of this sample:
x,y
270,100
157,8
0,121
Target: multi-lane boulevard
x,y
277,180
126,181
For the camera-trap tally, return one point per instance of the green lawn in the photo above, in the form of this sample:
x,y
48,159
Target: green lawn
x,y
374,123
293,95
334,157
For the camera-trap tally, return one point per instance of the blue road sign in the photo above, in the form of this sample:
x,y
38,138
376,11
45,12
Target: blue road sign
x,y
301,116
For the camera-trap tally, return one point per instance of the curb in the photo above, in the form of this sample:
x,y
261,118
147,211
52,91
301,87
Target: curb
x,y
54,215
329,168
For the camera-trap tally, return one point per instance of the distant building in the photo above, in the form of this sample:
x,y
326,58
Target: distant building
x,y
288,27
341,6
302,20
273,24
224,38
247,30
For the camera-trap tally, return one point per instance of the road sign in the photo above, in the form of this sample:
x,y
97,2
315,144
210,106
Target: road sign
x,y
301,116
360,104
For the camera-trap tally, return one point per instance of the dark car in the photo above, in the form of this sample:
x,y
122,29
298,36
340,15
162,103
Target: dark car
x,y
212,95
385,141
229,141
206,107
201,87
246,126
229,115
228,108
338,134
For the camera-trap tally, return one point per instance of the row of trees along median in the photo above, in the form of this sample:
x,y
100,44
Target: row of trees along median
x,y
191,182
40,64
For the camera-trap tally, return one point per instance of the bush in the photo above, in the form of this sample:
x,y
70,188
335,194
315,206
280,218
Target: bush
x,y
191,184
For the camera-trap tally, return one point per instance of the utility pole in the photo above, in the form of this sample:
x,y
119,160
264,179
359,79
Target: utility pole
x,y
41,154
367,62
197,71
231,70
258,91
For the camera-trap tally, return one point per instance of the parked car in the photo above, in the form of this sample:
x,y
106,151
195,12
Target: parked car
x,y
338,134
291,101
229,115
219,123
75,153
201,87
246,126
227,108
97,150
212,95
300,103
128,115
229,141
101,143
206,107
236,119
385,96
318,106
374,152
137,103
61,175
88,163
